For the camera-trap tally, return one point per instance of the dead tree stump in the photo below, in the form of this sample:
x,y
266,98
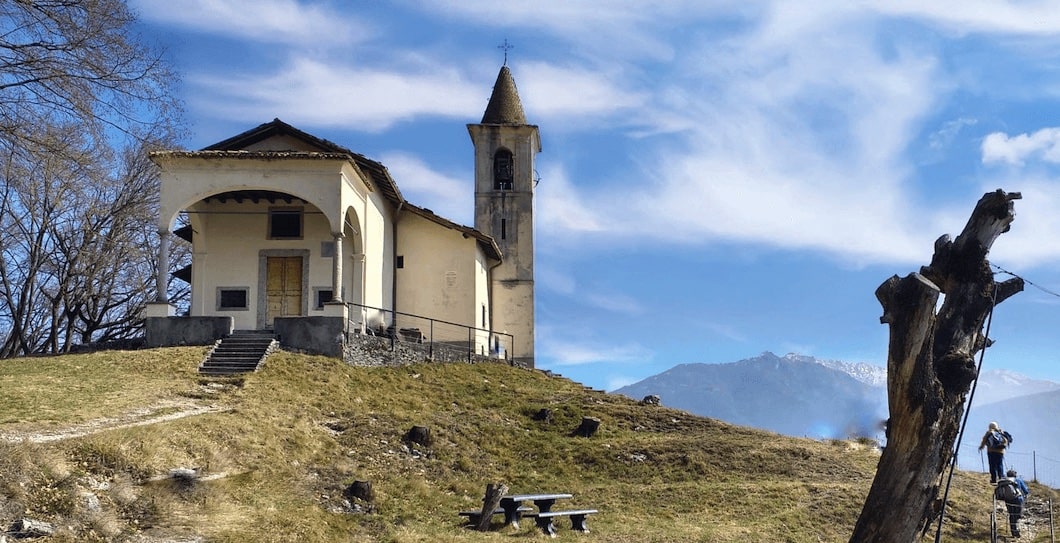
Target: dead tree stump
x,y
490,503
421,435
361,490
930,369
588,427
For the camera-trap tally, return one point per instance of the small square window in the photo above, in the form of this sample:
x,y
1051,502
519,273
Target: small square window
x,y
323,296
232,299
327,249
285,223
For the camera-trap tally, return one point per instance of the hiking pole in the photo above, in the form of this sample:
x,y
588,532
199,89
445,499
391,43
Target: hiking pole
x,y
982,464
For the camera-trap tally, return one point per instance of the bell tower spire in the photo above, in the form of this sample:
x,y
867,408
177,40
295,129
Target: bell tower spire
x,y
505,149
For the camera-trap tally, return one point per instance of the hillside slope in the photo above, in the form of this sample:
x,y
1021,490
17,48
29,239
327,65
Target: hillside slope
x,y
274,452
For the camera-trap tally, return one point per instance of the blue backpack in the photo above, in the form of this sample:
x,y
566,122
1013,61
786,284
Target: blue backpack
x,y
998,439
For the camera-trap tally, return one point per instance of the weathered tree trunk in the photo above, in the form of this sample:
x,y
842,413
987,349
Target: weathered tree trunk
x,y
930,369
494,493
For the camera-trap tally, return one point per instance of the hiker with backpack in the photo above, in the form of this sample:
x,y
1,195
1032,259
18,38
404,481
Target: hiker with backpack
x,y
995,440
1013,491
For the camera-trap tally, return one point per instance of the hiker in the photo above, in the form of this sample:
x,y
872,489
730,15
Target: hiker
x,y
1013,491
995,441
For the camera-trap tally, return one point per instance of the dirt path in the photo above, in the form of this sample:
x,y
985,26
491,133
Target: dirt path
x,y
161,412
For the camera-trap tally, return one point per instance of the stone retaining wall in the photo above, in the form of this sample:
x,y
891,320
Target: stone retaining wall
x,y
368,351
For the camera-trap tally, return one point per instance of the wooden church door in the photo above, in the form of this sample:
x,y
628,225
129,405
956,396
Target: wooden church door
x,y
283,287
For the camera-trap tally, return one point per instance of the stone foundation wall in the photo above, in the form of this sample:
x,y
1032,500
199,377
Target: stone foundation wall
x,y
368,351
316,335
175,331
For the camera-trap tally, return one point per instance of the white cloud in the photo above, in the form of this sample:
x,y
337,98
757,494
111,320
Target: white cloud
x,y
612,301
1015,150
572,353
268,21
560,93
600,29
1032,238
312,93
560,207
1034,17
447,196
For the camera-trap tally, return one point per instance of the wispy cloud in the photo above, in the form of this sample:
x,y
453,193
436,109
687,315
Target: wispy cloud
x,y
268,21
445,195
945,135
320,94
1035,17
575,353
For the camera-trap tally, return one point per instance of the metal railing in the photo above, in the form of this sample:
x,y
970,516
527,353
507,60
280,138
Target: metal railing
x,y
434,335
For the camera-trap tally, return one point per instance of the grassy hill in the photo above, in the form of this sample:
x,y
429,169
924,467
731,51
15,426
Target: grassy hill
x,y
87,442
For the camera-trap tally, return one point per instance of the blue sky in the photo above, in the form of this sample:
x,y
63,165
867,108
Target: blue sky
x,y
718,179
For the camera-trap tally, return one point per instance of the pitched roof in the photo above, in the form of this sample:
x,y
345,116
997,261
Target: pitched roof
x,y
504,106
371,169
378,175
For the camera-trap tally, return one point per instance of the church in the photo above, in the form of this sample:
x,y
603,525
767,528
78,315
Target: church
x,y
295,234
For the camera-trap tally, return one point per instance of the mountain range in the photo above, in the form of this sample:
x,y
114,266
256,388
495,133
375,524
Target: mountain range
x,y
802,396
793,395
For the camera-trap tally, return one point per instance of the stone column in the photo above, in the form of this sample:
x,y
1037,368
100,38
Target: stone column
x,y
336,279
162,295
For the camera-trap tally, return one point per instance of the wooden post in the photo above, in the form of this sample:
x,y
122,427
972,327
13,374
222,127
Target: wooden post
x,y
494,493
930,369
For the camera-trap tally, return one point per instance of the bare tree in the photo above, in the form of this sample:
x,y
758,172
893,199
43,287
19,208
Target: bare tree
x,y
81,103
77,62
930,369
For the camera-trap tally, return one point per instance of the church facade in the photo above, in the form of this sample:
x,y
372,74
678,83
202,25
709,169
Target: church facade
x,y
286,227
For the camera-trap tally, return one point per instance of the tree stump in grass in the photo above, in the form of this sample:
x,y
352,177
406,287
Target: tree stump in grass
x,y
420,435
490,503
361,490
930,370
588,427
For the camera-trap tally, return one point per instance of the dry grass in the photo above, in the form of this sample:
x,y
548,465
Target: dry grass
x,y
286,441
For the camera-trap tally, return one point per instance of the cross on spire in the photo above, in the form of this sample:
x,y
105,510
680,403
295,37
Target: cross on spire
x,y
506,47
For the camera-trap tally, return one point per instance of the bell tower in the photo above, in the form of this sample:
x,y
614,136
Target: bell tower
x,y
505,148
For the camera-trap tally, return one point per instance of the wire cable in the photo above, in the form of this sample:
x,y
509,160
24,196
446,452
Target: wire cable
x,y
1026,281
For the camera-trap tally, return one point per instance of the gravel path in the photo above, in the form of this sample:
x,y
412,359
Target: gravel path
x,y
172,409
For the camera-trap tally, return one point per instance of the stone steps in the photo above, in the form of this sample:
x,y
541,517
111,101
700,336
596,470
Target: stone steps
x,y
241,352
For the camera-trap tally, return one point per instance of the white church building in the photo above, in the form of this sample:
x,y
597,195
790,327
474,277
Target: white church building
x,y
291,232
